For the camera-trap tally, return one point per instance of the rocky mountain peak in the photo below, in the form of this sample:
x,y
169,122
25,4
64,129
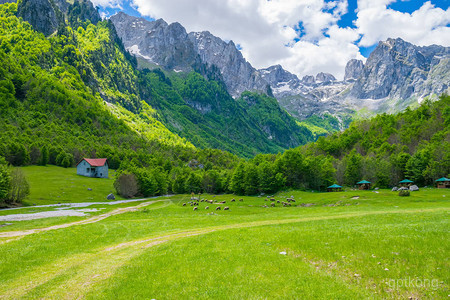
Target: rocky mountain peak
x,y
398,69
353,69
308,80
156,41
325,77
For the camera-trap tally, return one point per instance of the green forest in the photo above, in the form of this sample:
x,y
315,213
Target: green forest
x,y
78,93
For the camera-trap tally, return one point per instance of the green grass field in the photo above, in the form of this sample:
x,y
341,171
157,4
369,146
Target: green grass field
x,y
51,184
347,245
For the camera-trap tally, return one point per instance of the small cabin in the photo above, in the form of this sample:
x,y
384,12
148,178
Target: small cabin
x,y
363,185
334,188
93,167
406,182
443,183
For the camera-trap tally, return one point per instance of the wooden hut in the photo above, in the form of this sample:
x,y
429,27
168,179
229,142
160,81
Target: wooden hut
x,y
334,188
406,182
363,185
443,183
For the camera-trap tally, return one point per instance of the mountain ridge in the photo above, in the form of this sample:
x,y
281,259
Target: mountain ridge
x,y
421,72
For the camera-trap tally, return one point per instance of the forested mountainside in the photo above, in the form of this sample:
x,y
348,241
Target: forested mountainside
x,y
48,114
413,144
90,57
384,150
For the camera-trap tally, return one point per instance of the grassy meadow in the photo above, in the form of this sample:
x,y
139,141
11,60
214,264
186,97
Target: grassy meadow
x,y
52,184
345,245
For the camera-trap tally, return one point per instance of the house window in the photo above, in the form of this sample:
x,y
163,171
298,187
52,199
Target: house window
x,y
101,174
87,170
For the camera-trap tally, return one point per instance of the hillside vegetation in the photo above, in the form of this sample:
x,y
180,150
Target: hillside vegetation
x,y
81,72
413,144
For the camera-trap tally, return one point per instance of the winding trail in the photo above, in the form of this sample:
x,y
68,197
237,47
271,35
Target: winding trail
x,y
74,276
94,219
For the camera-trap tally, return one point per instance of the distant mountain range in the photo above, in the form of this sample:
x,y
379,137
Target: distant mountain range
x,y
395,75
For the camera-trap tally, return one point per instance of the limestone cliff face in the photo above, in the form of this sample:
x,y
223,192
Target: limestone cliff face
x,y
398,69
41,14
237,73
353,69
158,42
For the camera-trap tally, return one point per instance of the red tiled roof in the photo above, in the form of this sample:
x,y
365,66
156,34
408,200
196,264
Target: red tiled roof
x,y
95,162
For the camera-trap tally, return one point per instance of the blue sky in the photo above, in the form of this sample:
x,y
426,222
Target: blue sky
x,y
305,36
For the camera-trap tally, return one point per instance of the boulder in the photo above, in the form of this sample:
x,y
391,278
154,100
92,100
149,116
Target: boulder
x,y
394,189
111,197
413,188
89,189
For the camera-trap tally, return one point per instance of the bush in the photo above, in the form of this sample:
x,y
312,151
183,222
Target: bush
x,y
19,187
126,185
404,193
5,179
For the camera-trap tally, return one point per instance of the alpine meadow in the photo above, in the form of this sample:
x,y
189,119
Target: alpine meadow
x,y
139,160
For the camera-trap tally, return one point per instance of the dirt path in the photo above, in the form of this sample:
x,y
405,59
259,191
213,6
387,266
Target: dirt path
x,y
75,276
94,219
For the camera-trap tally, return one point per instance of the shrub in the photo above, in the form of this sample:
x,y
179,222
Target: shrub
x,y
19,187
5,179
126,185
404,193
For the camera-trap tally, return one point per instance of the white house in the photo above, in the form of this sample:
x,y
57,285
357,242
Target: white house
x,y
93,167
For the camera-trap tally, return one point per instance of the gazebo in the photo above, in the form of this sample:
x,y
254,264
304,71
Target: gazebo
x,y
406,182
334,188
443,183
363,185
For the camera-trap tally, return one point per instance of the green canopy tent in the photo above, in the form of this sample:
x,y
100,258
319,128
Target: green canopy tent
x,y
443,183
334,188
406,182
364,185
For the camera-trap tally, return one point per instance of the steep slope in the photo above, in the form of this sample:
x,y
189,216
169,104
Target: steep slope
x,y
203,112
196,108
172,48
189,105
44,103
161,43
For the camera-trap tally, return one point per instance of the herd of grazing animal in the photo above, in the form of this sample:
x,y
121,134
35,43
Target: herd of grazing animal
x,y
195,202
284,204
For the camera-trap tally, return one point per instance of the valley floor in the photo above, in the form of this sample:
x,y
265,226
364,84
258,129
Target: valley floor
x,y
348,245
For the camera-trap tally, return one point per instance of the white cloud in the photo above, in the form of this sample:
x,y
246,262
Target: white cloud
x,y
424,26
107,3
301,35
329,54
